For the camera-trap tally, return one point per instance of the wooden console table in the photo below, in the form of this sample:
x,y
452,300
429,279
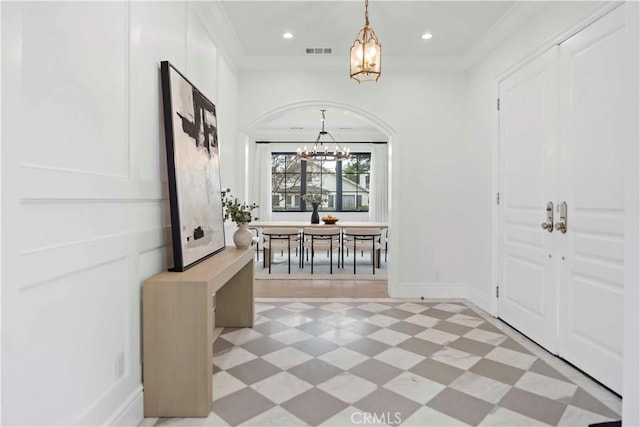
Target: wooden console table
x,y
177,327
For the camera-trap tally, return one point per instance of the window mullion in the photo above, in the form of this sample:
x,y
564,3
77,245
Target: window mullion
x,y
303,184
339,186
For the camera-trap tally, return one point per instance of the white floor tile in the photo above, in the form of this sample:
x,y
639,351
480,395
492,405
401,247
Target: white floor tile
x,y
287,357
224,384
343,358
281,387
453,357
235,356
547,387
511,357
414,387
399,358
347,387
436,336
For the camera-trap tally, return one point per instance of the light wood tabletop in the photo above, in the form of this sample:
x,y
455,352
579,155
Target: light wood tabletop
x,y
303,224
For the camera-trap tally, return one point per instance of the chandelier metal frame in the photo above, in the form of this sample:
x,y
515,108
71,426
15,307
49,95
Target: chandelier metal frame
x,y
317,154
366,53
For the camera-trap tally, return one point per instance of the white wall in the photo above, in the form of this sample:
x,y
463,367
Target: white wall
x,y
423,113
84,195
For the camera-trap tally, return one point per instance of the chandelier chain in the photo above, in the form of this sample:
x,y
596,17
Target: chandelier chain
x,y
366,13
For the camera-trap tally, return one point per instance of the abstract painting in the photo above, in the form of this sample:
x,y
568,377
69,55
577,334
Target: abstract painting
x,y
193,166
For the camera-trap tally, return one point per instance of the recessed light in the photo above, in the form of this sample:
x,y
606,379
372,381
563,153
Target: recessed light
x,y
288,35
427,36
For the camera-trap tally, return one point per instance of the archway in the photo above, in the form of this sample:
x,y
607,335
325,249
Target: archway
x,y
255,126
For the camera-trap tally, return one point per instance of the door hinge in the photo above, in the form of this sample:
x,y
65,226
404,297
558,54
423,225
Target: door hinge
x,y
497,198
497,291
498,104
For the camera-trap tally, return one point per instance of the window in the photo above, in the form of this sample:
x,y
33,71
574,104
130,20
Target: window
x,y
345,184
286,178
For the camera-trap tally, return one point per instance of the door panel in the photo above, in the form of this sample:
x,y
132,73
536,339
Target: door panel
x,y
527,274
562,139
592,183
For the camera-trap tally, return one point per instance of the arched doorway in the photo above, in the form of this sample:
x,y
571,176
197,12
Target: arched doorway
x,y
283,130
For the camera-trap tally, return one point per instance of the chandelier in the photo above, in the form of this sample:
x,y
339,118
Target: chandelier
x,y
366,53
320,154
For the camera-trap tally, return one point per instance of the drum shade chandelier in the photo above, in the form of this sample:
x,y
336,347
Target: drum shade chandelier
x,y
320,154
366,53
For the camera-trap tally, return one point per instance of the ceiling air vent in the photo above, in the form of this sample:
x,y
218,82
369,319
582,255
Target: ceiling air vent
x,y
318,51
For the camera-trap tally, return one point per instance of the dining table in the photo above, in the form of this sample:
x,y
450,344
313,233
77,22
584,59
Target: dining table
x,y
258,226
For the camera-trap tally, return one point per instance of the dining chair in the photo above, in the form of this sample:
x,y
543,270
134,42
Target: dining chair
x,y
279,239
321,239
364,240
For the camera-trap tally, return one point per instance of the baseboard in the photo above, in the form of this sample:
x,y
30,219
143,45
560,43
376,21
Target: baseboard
x,y
483,301
131,412
428,290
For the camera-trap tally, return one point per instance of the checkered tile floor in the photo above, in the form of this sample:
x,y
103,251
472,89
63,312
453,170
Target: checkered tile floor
x,y
390,362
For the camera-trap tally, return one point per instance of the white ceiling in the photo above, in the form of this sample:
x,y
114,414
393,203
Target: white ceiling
x,y
463,31
455,25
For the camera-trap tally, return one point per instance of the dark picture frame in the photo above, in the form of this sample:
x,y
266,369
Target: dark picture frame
x,y
193,168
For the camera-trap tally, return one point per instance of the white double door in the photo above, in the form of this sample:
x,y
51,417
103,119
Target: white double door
x,y
561,140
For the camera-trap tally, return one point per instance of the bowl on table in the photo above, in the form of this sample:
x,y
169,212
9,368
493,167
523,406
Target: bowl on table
x,y
329,220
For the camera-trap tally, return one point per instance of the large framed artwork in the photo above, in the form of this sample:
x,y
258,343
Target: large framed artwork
x,y
193,166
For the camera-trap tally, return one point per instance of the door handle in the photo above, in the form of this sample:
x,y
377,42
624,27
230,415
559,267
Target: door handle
x,y
548,225
562,223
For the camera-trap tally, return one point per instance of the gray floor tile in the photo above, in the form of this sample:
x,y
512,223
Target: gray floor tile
x,y
241,406
541,367
533,406
276,313
437,371
362,328
315,328
357,313
498,371
452,328
318,313
471,346
421,347
220,345
511,344
315,371
461,406
376,371
407,328
438,314
397,314
254,371
314,406
367,346
315,346
262,346
385,401
584,400
268,328
489,327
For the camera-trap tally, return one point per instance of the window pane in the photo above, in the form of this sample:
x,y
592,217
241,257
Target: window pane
x,y
348,191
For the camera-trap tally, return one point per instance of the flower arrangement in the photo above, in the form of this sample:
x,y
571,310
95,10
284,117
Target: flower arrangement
x,y
314,199
240,213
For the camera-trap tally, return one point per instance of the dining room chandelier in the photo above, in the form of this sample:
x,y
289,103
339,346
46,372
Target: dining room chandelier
x,y
320,152
366,53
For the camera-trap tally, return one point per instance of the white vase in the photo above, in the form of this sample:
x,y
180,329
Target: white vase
x,y
242,237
